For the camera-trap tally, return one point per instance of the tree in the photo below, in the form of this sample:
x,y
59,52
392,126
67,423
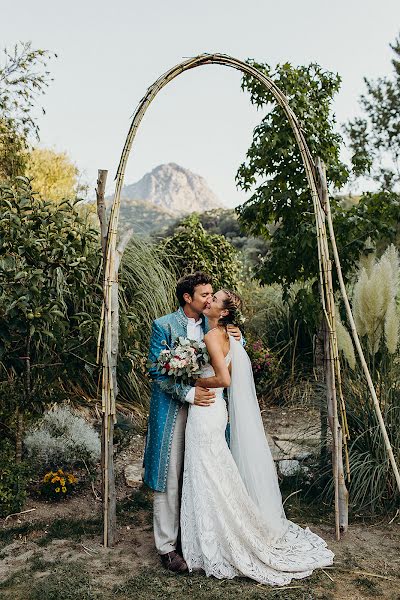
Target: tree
x,y
54,176
225,221
48,261
283,198
13,152
280,208
375,137
191,248
23,77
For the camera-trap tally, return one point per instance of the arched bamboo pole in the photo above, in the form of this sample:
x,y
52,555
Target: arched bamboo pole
x,y
110,270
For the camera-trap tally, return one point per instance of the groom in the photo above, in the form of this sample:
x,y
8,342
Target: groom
x,y
165,443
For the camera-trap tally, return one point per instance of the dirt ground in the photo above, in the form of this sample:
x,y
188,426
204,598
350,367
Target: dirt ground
x,y
55,550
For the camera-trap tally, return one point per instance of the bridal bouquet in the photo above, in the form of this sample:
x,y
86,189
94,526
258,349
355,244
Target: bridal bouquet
x,y
183,360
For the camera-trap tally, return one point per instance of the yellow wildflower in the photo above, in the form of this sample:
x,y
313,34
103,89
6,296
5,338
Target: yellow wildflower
x,y
57,489
47,477
56,478
64,489
62,481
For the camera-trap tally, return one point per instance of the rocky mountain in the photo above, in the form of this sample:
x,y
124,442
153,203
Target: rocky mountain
x,y
173,188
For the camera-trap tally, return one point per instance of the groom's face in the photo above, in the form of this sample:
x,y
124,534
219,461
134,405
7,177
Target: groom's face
x,y
201,298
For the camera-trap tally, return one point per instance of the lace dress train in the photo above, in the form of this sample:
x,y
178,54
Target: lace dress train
x,y
223,532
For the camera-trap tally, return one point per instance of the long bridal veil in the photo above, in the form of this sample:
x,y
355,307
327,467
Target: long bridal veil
x,y
249,445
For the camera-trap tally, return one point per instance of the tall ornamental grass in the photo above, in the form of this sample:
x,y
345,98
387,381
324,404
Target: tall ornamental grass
x,y
375,304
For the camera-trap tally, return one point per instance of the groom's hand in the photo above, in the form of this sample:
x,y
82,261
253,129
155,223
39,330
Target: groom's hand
x,y
235,332
204,397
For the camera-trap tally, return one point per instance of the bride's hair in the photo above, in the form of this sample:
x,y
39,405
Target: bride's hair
x,y
233,303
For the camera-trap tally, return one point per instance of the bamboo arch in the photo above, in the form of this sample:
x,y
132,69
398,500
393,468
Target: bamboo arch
x,y
316,178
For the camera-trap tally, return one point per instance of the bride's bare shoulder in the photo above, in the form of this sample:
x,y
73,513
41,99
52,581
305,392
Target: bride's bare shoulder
x,y
215,337
215,333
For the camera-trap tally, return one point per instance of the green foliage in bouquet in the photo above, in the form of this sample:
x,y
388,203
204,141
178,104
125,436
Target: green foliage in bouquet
x,y
182,361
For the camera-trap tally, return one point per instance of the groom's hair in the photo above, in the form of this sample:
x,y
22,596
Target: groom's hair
x,y
187,283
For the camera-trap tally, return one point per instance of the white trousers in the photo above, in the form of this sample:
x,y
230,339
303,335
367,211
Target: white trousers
x,y
166,508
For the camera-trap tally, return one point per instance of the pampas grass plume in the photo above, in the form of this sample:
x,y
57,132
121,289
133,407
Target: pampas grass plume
x,y
392,327
345,343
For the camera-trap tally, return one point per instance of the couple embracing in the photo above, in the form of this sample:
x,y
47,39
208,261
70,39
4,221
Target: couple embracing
x,y
223,499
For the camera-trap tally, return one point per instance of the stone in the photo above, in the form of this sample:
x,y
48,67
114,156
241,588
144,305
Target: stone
x,y
133,474
288,468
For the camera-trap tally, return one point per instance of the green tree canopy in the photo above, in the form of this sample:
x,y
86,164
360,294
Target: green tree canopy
x,y
274,167
191,248
375,136
49,259
280,208
23,78
54,176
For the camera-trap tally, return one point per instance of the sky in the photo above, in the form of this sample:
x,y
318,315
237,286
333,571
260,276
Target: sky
x,y
109,53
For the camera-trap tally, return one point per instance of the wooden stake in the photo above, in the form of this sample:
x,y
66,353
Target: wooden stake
x,y
107,429
333,378
101,207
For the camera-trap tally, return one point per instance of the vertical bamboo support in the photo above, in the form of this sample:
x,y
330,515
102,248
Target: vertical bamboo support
x,y
107,429
333,371
101,208
324,267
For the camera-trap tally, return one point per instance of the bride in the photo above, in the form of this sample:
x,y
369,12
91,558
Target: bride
x,y
232,518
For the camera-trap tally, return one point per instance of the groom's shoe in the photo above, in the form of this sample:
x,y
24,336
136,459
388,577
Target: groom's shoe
x,y
174,562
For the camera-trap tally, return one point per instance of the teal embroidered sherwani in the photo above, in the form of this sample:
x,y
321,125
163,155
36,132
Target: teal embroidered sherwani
x,y
164,406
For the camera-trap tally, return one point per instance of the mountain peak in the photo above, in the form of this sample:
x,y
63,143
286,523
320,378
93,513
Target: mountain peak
x,y
174,188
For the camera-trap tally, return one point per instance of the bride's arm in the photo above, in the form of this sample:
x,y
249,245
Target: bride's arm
x,y
222,376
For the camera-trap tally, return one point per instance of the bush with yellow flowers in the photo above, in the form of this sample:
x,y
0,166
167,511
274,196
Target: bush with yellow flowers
x,y
57,484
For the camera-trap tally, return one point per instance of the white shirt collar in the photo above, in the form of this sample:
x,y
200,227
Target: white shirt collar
x,y
193,321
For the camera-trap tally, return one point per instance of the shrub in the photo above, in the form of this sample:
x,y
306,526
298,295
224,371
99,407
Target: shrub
x,y
57,484
13,479
264,364
62,438
191,249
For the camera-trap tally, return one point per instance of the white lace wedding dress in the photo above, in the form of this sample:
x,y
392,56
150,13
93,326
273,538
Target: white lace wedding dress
x,y
223,531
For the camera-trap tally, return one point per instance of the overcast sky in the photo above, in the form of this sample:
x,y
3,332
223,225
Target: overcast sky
x,y
110,52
